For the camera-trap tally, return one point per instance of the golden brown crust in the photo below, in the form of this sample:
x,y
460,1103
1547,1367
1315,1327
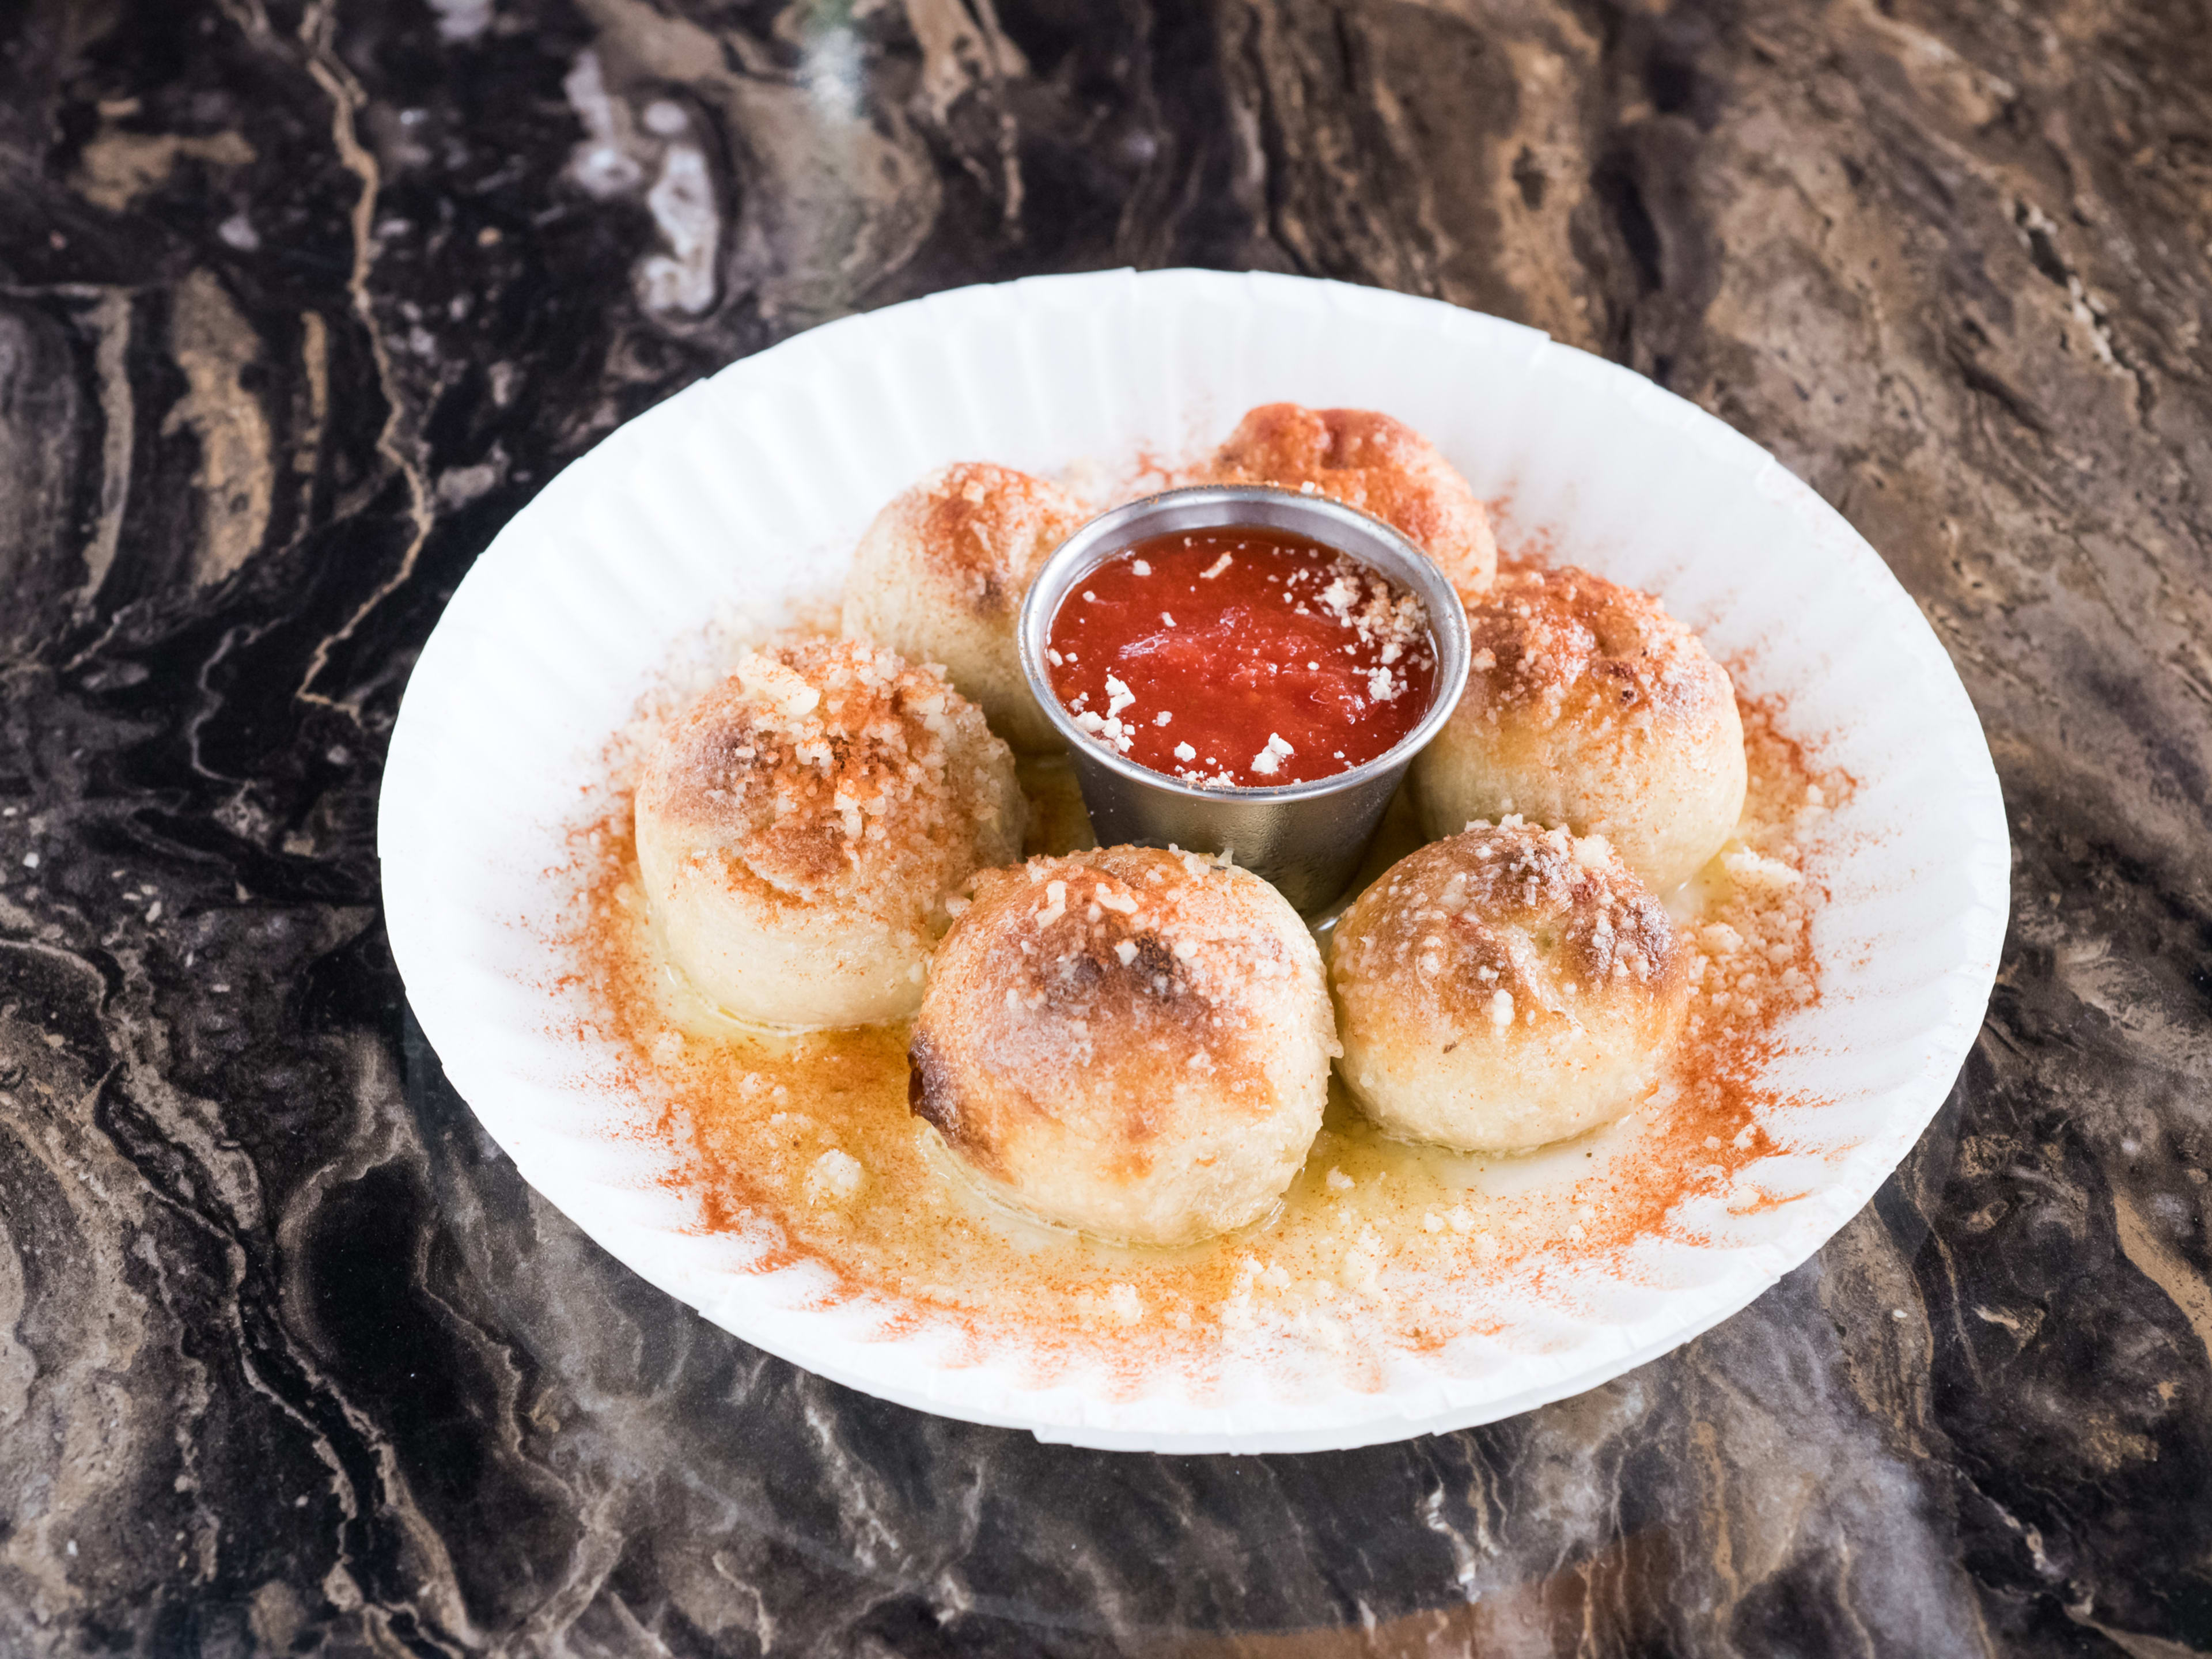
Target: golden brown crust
x,y
1506,987
816,761
1131,1040
1588,706
1549,643
940,577
1516,909
988,529
1117,953
805,831
1368,461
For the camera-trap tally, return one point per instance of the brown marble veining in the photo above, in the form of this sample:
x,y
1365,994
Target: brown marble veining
x,y
298,303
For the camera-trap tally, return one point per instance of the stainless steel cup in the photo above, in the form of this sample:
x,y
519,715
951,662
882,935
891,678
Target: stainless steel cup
x,y
1306,838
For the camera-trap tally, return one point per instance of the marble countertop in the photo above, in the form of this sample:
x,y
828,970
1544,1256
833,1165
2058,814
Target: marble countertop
x,y
300,302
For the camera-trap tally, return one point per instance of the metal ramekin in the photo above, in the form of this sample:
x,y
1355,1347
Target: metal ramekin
x,y
1306,838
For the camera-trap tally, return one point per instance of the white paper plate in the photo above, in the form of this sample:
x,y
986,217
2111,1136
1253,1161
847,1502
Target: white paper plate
x,y
750,488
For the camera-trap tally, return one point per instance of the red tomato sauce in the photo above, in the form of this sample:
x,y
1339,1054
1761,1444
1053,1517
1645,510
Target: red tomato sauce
x,y
1242,658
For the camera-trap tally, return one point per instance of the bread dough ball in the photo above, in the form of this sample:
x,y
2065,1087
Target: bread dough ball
x,y
1505,989
940,577
1587,706
1129,1042
801,829
1367,461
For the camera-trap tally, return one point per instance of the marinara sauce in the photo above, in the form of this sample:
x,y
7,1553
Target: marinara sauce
x,y
1242,658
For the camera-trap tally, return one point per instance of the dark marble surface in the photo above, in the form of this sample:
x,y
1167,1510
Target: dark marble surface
x,y
298,305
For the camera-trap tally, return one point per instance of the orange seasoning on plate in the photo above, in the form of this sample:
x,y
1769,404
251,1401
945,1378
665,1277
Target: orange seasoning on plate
x,y
1242,658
